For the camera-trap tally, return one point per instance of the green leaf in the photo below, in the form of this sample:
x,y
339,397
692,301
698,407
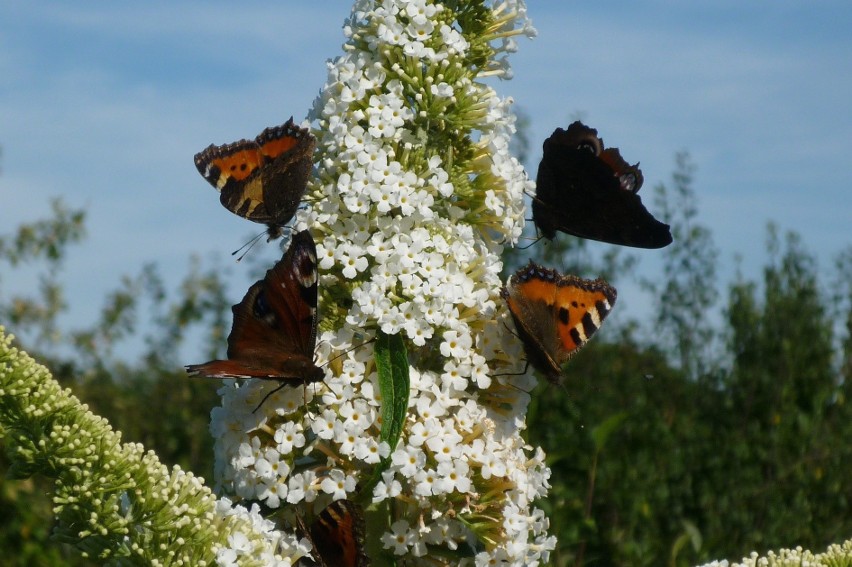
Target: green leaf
x,y
394,385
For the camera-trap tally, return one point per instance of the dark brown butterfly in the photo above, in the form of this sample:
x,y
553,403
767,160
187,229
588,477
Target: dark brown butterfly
x,y
589,191
337,536
262,180
555,314
275,325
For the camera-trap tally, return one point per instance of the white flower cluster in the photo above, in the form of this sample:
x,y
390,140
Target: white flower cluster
x,y
836,554
415,197
252,540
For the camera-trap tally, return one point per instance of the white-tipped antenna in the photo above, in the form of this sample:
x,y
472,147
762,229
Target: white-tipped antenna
x,y
247,246
273,231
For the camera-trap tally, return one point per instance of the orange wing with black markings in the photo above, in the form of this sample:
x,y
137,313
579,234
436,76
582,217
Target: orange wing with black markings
x,y
262,180
555,314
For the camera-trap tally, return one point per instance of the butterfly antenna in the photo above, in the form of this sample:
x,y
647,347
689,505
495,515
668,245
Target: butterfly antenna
x,y
312,199
266,397
347,351
518,388
532,197
247,246
535,241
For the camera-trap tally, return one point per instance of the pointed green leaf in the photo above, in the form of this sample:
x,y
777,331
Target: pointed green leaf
x,y
394,384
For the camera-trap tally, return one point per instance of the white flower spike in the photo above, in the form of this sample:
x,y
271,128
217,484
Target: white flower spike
x,y
415,197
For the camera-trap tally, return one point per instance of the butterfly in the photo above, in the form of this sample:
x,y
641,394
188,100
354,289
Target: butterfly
x,y
337,536
590,191
555,314
262,180
275,325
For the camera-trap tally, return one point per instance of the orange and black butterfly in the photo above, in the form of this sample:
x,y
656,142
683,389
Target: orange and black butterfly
x,y
262,180
590,191
275,325
337,536
555,314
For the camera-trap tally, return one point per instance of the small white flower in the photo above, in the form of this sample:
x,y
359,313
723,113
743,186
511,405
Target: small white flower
x,y
424,481
338,484
422,431
445,446
453,476
273,491
324,427
300,487
456,344
408,460
289,435
399,539
386,488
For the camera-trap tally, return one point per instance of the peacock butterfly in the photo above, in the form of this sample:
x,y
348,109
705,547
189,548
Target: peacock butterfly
x,y
337,536
555,314
275,325
262,180
590,191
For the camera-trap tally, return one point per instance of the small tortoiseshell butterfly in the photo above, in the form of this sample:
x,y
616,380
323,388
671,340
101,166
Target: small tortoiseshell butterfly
x,y
590,192
337,536
275,325
555,314
263,179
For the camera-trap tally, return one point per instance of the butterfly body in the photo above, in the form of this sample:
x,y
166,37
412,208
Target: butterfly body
x,y
273,336
590,191
262,180
555,314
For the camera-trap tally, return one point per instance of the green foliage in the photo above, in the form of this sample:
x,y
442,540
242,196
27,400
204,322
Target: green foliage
x,y
708,453
611,502
25,525
787,469
151,401
842,311
391,359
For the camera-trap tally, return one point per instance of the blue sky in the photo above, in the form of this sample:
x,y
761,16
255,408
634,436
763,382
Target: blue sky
x,y
105,104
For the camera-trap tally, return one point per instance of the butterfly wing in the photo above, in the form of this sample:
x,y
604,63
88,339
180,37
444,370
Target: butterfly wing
x,y
234,170
338,536
590,192
274,331
262,180
288,153
555,315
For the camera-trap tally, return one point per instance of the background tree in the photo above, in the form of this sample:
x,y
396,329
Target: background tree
x,y
685,292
